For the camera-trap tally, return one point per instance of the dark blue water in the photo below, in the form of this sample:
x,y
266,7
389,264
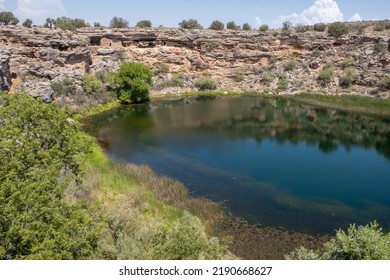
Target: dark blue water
x,y
273,162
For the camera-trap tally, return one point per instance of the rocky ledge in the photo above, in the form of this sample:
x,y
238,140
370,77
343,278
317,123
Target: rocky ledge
x,y
31,59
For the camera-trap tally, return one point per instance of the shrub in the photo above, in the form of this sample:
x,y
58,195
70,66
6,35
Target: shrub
x,y
337,29
358,243
217,25
282,83
232,25
190,24
246,26
175,81
8,18
349,76
326,75
118,22
286,25
319,27
380,26
27,23
302,28
144,24
238,76
290,65
91,84
384,83
264,27
206,83
132,82
63,87
266,78
160,68
66,23
381,47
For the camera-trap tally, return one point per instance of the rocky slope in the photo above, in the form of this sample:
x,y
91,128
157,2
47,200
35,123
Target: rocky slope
x,y
31,59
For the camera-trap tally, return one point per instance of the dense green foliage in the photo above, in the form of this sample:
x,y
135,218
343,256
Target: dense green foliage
x,y
118,22
132,82
144,24
27,23
264,27
217,25
66,23
175,81
282,83
8,18
337,29
232,26
63,87
91,84
358,243
319,27
206,83
190,24
246,26
326,75
41,152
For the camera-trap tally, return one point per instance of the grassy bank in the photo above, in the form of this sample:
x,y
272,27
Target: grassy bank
x,y
150,216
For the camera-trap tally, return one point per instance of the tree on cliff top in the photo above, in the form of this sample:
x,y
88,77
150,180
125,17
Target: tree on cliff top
x,y
217,25
118,22
190,24
8,18
144,24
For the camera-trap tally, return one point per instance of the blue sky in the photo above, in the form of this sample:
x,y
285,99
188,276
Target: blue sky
x,y
170,12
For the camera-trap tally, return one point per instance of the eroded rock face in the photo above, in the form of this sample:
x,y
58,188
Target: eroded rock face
x,y
33,58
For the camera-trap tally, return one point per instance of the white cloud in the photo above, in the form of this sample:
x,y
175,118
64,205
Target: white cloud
x,y
258,21
39,10
355,17
325,11
2,6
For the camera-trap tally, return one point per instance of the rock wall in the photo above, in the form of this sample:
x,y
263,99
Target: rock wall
x,y
33,58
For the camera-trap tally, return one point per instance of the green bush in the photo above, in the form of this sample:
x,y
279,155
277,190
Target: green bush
x,y
264,27
358,243
381,47
63,87
349,76
326,75
246,26
91,84
66,23
206,83
144,24
132,82
232,26
282,83
302,28
384,83
44,153
175,81
160,68
319,27
217,25
266,78
238,76
337,29
190,24
290,65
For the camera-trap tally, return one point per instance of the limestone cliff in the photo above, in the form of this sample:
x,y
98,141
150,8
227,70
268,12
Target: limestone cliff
x,y
33,58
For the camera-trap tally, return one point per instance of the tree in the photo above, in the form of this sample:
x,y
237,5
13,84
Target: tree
x,y
246,26
118,22
144,24
50,23
27,23
264,27
217,25
132,82
232,25
66,23
97,24
286,25
337,29
190,24
8,18
41,152
319,27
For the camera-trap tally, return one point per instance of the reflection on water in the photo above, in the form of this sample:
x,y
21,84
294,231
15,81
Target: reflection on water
x,y
273,162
